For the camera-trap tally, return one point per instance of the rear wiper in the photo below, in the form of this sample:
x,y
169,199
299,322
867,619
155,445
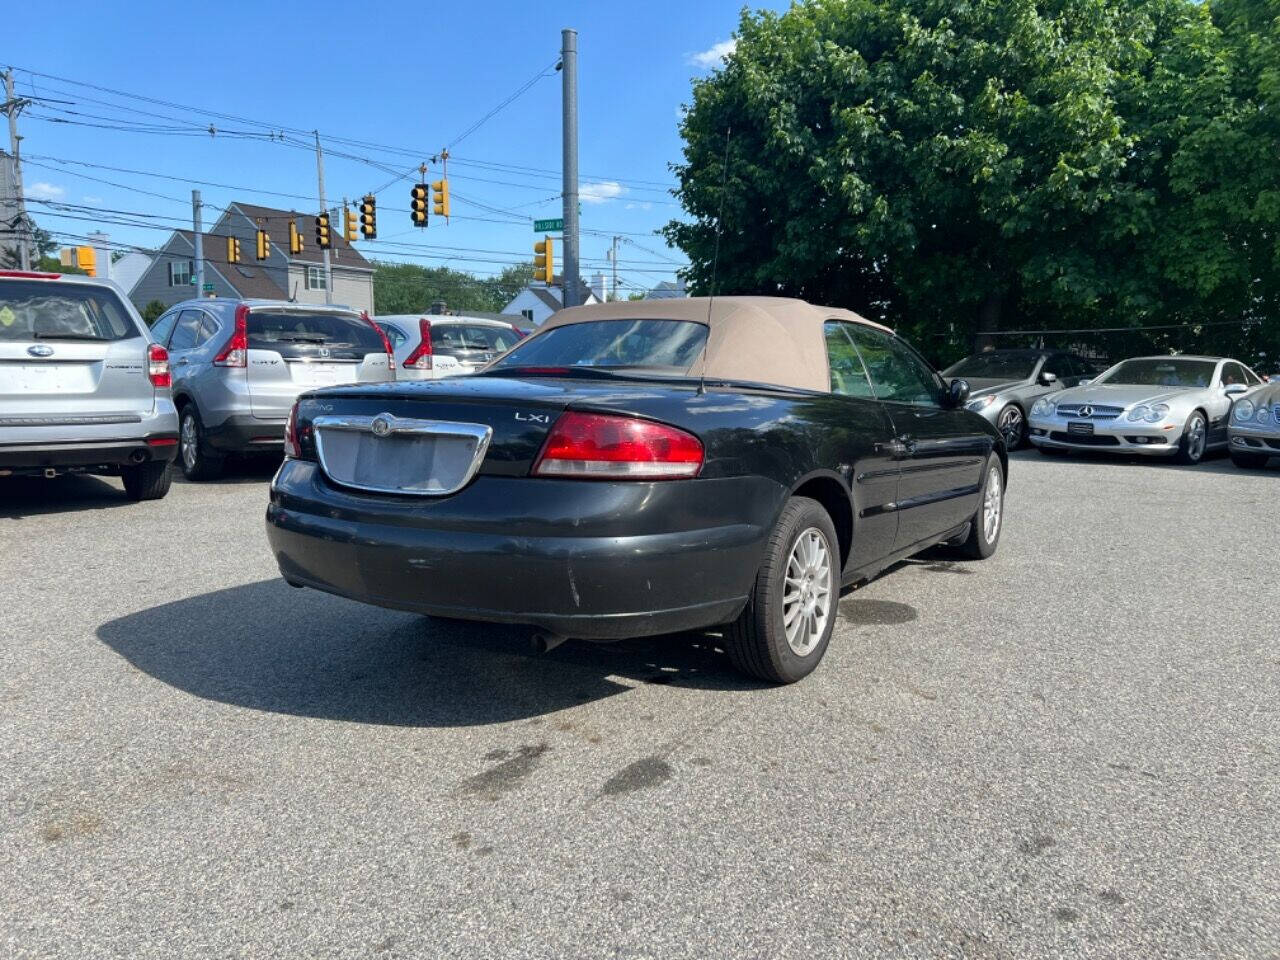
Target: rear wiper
x,y
66,336
303,338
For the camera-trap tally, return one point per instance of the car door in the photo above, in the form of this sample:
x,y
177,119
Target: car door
x,y
186,332
862,434
940,450
1220,402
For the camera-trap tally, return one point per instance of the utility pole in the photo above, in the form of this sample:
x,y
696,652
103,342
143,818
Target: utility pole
x,y
613,257
328,269
569,68
21,226
199,241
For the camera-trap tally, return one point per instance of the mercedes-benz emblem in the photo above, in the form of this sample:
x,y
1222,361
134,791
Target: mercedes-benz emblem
x,y
1086,411
381,426
40,350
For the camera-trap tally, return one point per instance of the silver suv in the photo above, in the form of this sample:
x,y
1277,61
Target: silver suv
x,y
238,365
83,388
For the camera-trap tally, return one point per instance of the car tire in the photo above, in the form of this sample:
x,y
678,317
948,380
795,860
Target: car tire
x,y
803,553
196,462
1194,440
1249,461
146,481
985,527
1012,418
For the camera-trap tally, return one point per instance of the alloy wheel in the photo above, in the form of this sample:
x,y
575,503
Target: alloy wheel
x,y
807,592
992,504
1196,435
1010,427
188,441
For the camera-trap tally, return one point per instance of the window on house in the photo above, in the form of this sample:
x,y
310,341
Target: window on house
x,y
315,278
527,314
180,272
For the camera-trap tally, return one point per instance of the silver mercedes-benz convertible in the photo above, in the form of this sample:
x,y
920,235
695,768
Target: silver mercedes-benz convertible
x,y
1156,406
1255,426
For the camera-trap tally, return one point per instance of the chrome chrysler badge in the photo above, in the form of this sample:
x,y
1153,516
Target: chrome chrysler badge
x,y
381,426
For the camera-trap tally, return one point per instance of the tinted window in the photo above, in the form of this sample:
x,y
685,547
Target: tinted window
x,y
394,334
848,376
208,329
660,346
1234,373
455,339
48,310
897,372
163,328
996,365
313,335
1161,372
1059,365
184,334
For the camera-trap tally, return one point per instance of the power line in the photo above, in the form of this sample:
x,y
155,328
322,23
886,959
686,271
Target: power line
x,y
528,84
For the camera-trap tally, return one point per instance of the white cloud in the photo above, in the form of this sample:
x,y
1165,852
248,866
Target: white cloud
x,y
601,192
710,59
45,191
639,205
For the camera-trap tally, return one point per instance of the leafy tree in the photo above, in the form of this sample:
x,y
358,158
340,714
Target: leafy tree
x,y
151,312
957,169
409,288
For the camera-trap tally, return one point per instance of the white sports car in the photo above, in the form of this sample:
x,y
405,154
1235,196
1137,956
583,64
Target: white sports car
x,y
1156,406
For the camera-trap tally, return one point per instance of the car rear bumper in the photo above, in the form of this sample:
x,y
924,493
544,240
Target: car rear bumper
x,y
590,560
92,455
240,433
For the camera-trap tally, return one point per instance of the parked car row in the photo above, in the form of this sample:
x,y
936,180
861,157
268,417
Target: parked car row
x,y
1177,407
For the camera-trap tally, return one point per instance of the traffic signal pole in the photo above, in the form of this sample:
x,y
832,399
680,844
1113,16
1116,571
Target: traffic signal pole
x,y
328,269
569,69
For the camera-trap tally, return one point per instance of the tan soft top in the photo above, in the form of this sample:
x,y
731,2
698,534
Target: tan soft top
x,y
761,339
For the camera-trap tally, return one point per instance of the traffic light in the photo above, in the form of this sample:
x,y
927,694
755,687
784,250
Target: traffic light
x,y
441,198
322,231
418,204
233,250
295,238
369,217
348,224
264,244
544,260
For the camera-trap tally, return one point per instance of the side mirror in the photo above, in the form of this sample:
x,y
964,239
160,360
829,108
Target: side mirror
x,y
957,393
1235,389
1085,382
1048,379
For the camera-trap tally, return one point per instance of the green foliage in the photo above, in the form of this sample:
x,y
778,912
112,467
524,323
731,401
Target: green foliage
x,y
955,169
151,312
409,288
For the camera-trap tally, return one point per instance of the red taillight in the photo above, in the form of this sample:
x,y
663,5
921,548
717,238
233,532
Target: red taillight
x,y
386,343
292,449
236,352
420,359
158,366
593,445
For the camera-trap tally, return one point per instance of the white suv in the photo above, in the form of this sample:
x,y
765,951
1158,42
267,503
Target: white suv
x,y
445,345
83,386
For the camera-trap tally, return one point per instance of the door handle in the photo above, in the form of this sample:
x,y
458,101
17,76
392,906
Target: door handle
x,y
182,363
899,447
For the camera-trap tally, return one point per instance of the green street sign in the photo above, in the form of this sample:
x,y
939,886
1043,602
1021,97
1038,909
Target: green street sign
x,y
546,226
208,288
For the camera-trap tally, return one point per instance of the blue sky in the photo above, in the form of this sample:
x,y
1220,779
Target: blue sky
x,y
410,76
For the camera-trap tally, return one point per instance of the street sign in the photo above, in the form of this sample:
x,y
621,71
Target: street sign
x,y
208,288
546,226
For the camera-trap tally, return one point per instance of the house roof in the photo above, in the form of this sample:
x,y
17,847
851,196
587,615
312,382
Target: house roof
x,y
547,297
249,279
276,223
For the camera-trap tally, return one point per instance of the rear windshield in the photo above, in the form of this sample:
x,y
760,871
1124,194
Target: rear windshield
x,y
313,336
48,310
1161,373
654,346
995,366
457,339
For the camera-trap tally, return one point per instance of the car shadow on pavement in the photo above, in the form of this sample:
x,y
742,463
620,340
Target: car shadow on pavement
x,y
1214,462
268,646
246,469
32,496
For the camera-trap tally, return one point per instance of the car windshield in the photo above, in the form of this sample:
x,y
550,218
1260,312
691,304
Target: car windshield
x,y
652,346
47,310
1160,372
995,366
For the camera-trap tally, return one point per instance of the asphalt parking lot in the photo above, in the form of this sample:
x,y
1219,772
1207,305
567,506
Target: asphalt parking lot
x,y
1072,749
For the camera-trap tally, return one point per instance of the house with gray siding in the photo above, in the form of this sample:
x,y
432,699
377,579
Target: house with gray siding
x,y
282,276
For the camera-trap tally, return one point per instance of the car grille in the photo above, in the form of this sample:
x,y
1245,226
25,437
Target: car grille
x,y
387,454
1085,439
1100,412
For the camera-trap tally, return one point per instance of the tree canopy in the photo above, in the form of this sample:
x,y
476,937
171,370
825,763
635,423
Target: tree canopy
x,y
961,169
410,288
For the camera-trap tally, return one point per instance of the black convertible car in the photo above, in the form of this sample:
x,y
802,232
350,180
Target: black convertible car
x,y
644,468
